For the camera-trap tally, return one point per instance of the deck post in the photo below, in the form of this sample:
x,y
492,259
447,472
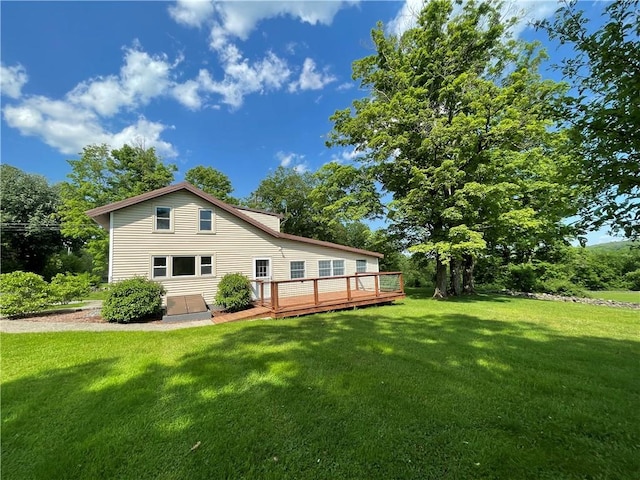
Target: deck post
x,y
349,288
357,286
262,294
315,292
401,283
376,281
274,296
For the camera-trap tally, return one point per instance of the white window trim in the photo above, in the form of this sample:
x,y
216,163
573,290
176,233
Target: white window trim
x,y
169,267
331,260
304,269
213,265
253,261
213,222
155,219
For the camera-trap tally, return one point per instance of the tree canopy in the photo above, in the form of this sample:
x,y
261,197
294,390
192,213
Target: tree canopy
x,y
212,181
30,228
461,129
604,111
101,176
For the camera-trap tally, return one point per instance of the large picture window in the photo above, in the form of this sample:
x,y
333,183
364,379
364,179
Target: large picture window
x,y
166,266
163,218
183,266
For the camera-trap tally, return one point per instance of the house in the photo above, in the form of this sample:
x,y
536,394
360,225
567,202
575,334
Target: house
x,y
187,240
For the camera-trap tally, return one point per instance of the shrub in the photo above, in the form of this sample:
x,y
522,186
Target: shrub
x,y
234,292
22,292
67,287
521,277
133,299
562,287
633,280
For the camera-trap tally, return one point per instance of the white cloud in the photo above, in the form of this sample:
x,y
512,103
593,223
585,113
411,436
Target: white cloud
x,y
78,119
528,10
142,77
187,94
12,79
345,86
242,77
68,127
310,79
192,13
292,160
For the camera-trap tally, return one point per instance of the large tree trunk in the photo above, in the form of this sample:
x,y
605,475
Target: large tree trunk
x,y
454,277
468,284
441,279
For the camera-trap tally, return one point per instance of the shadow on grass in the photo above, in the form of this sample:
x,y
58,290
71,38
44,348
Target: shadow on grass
x,y
347,395
427,294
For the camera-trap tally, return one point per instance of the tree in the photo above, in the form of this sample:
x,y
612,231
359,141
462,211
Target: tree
x,y
604,70
30,228
212,181
101,176
459,127
287,191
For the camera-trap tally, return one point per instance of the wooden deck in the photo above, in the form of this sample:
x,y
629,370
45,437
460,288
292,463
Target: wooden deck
x,y
359,290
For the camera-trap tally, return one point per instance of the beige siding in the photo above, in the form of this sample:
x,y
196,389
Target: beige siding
x,y
270,221
234,245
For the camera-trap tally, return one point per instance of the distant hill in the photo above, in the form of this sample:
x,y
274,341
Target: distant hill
x,y
614,246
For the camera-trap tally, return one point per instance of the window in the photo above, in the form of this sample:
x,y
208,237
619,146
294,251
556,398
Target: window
x,y
361,266
330,268
206,265
160,267
183,266
338,267
297,269
324,268
206,220
163,218
262,268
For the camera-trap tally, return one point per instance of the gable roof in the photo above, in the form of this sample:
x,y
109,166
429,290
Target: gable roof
x,y
101,215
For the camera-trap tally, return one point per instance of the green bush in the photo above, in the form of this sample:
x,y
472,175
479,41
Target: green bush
x,y
234,292
132,300
632,280
22,292
67,287
522,277
562,287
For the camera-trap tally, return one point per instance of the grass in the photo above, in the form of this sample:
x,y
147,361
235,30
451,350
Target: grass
x,y
616,295
483,387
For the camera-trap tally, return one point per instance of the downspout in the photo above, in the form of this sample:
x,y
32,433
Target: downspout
x,y
110,247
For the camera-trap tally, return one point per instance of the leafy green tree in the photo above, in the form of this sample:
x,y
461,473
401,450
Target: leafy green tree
x,y
459,127
212,181
30,228
287,191
101,176
604,68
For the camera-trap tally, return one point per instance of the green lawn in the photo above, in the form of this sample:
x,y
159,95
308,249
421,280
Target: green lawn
x,y
617,295
483,387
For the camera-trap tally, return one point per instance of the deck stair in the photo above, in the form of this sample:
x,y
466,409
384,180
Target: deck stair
x,y
184,308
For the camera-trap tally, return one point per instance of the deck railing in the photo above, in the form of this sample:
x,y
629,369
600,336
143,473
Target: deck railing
x,y
285,294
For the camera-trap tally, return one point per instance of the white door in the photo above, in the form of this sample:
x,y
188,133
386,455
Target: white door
x,y
262,271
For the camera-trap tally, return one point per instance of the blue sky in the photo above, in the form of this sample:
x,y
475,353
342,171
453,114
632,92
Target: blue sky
x,y
240,86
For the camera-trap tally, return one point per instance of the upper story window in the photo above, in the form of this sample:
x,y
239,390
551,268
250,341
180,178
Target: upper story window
x,y
205,220
163,219
361,266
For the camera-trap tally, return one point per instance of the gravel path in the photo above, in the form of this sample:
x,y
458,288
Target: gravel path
x,y
87,319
